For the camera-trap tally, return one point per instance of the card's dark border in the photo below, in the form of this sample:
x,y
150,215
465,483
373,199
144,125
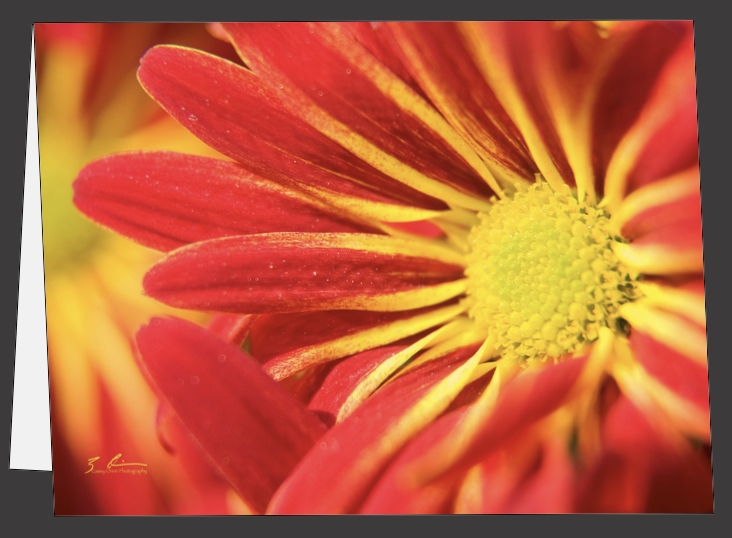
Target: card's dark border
x,y
27,495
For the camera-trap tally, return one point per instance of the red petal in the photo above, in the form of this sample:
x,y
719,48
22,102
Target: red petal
x,y
230,109
682,236
324,64
377,39
165,200
425,228
279,334
682,211
253,430
198,472
683,486
232,328
439,58
533,57
210,500
343,378
336,475
282,272
639,471
670,117
305,385
529,474
685,377
527,398
392,496
641,52
673,146
550,488
304,341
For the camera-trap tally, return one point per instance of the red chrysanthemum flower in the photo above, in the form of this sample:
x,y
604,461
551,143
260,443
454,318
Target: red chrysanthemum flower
x,y
464,260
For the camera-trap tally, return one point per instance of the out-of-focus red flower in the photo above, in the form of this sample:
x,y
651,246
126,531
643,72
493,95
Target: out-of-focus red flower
x,y
463,260
89,104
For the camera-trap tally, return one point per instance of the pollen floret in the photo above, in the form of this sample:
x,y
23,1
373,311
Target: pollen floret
x,y
542,275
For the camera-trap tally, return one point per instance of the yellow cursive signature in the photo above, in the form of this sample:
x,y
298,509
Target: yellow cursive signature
x,y
115,462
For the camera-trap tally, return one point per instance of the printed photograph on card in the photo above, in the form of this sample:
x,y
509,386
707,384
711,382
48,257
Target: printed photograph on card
x,y
374,267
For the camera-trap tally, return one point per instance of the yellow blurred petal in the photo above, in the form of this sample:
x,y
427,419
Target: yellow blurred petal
x,y
679,301
656,259
656,194
668,329
679,415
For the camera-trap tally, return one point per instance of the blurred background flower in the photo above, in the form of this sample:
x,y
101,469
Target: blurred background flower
x,y
90,104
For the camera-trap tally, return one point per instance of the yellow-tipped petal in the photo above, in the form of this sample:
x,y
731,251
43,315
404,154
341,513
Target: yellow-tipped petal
x,y
668,329
658,259
372,381
679,301
303,358
656,194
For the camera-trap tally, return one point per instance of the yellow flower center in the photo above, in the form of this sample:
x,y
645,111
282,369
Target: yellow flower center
x,y
542,275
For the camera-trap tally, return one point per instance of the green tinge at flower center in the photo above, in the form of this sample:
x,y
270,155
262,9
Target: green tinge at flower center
x,y
543,278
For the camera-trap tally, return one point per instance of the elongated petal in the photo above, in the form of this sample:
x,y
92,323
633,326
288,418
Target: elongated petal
x,y
392,496
253,430
230,109
539,478
437,56
357,331
686,300
510,56
639,471
279,334
674,249
638,53
165,200
374,379
528,397
673,330
687,378
328,79
674,200
377,39
665,216
343,378
285,272
336,475
550,488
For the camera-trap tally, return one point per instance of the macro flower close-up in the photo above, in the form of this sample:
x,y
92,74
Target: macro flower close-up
x,y
446,267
